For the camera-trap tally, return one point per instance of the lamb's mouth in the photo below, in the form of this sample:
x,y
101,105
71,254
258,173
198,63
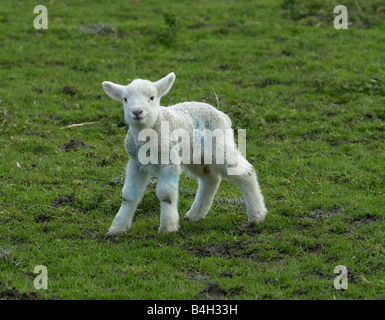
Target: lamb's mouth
x,y
138,118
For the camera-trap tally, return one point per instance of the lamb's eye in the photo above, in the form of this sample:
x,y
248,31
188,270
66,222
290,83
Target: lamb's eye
x,y
125,99
152,98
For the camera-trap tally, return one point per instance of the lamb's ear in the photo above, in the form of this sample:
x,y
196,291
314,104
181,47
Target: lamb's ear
x,y
164,85
113,90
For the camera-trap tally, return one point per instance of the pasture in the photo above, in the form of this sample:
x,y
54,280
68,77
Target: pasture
x,y
312,99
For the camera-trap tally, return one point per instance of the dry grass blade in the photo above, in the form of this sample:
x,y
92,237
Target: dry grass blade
x,y
79,124
216,97
5,118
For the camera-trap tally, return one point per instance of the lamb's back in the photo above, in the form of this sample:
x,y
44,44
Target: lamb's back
x,y
199,115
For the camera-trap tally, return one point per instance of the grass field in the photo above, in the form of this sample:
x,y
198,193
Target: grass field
x,y
311,97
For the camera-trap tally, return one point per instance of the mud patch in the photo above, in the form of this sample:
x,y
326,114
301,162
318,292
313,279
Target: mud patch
x,y
315,248
149,237
70,90
251,256
43,218
227,273
73,145
200,25
13,294
92,233
213,291
367,219
197,275
250,230
368,114
320,214
213,250
66,200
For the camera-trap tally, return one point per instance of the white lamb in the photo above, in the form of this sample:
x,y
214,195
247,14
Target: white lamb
x,y
142,110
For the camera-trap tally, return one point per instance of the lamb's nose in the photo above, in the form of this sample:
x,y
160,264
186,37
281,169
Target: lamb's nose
x,y
137,112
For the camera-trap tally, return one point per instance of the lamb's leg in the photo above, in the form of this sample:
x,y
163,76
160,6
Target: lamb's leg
x,y
208,185
167,193
247,181
133,189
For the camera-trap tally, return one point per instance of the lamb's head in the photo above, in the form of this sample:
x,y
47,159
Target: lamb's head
x,y
141,99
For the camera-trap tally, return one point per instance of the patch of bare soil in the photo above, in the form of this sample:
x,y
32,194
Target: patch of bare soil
x,y
213,291
71,90
197,275
367,219
13,294
227,273
74,144
249,229
213,249
62,200
316,247
43,218
320,214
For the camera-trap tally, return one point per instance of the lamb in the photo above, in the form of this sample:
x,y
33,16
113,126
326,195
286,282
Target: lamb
x,y
146,118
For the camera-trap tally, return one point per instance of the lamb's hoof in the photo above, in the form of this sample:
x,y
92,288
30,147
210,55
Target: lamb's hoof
x,y
192,217
168,229
256,219
111,234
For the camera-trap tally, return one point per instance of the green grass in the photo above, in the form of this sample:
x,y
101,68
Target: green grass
x,y
312,101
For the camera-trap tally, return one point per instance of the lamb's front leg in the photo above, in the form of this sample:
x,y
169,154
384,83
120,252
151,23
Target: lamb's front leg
x,y
134,185
167,193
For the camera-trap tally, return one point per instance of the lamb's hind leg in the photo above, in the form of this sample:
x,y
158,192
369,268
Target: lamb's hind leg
x,y
246,180
208,185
